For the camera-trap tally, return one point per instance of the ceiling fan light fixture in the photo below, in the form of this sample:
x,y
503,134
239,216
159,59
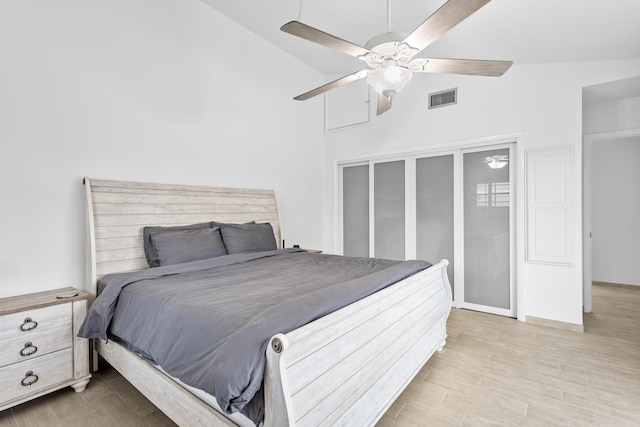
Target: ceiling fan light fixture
x,y
497,162
388,80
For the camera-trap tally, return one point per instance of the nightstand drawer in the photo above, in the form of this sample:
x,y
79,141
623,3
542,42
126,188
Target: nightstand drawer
x,y
36,345
31,322
30,376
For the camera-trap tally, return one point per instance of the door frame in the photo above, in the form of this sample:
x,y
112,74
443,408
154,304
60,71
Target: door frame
x,y
587,248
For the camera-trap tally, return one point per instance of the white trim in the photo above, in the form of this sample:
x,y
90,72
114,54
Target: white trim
x,y
587,251
372,210
520,230
338,210
487,309
432,149
410,249
458,230
574,327
513,228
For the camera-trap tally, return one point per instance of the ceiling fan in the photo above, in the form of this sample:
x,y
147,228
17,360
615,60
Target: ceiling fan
x,y
391,55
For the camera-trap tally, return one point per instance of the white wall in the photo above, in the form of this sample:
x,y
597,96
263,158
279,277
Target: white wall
x,y
615,208
541,102
167,91
612,116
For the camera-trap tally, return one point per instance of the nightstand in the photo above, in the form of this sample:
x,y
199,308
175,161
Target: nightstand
x,y
39,349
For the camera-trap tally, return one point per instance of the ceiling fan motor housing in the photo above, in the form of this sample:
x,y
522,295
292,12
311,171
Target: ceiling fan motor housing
x,y
385,38
389,47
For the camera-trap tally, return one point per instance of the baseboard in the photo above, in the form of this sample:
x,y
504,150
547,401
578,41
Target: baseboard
x,y
615,285
554,324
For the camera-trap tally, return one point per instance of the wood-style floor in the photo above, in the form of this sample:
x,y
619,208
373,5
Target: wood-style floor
x,y
498,371
493,371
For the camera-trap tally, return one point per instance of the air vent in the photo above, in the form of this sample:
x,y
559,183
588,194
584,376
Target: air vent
x,y
444,98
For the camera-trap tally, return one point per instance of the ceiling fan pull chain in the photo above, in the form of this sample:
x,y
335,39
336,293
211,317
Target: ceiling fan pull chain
x,y
299,10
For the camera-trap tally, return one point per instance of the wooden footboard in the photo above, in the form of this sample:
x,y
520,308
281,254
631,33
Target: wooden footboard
x,y
347,368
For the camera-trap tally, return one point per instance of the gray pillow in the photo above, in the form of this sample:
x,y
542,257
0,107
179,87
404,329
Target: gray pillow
x,y
243,238
149,250
220,224
174,247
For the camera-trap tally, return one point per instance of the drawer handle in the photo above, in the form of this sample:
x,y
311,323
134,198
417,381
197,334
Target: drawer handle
x,y
29,378
28,350
28,324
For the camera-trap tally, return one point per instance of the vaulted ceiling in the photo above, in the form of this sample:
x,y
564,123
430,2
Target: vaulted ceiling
x,y
523,31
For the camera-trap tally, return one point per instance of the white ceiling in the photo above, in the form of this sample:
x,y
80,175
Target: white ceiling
x,y
523,31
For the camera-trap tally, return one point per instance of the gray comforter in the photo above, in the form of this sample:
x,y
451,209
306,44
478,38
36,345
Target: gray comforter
x,y
208,322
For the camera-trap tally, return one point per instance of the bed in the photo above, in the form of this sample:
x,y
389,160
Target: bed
x,y
343,368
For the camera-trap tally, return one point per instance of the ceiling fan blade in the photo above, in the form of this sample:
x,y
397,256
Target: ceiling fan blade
x,y
314,35
332,85
384,104
448,16
466,66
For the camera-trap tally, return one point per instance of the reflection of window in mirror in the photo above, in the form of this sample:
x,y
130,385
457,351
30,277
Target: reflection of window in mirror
x,y
493,195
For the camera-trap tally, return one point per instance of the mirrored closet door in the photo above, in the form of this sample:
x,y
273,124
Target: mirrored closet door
x,y
456,206
435,211
487,219
355,210
389,210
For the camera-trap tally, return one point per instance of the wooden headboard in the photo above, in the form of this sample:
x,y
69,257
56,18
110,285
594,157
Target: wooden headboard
x,y
116,212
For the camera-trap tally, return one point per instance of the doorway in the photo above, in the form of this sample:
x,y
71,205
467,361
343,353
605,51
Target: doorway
x,y
611,206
